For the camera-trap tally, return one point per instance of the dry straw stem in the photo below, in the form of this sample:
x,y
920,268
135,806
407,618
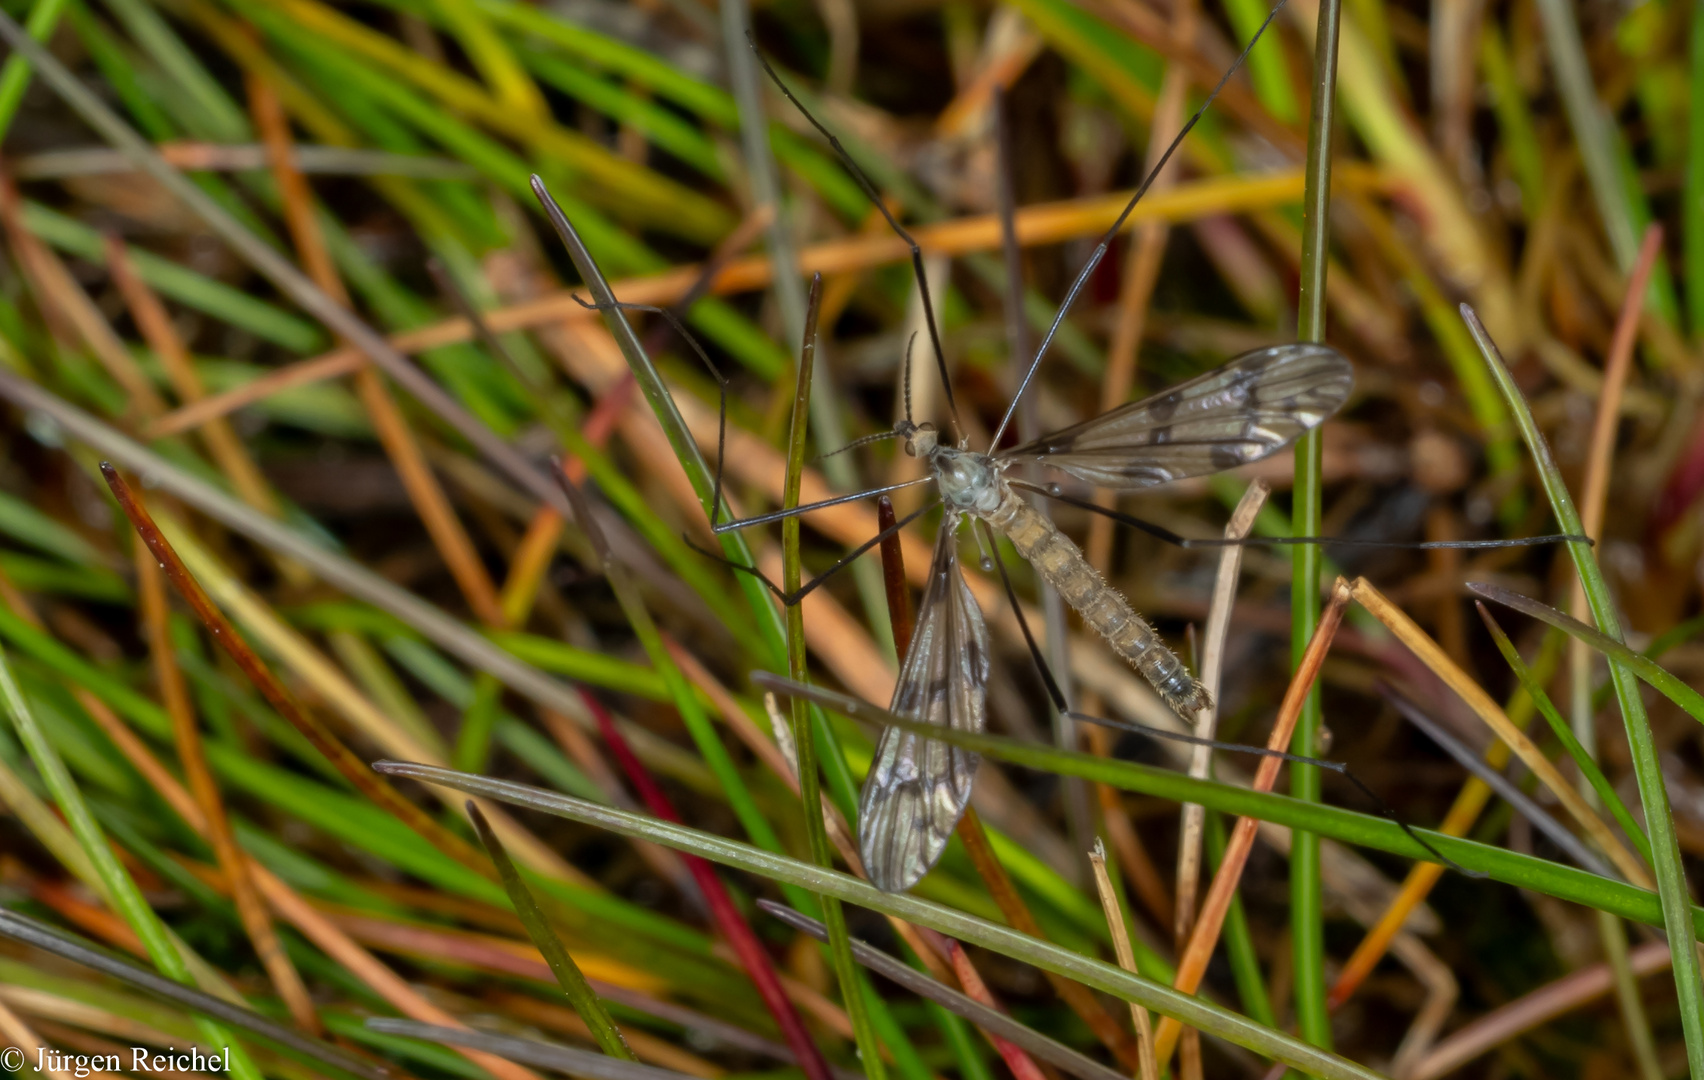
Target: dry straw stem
x,y
1149,1069
1043,224
1427,650
151,589
1193,818
1212,665
430,503
1193,964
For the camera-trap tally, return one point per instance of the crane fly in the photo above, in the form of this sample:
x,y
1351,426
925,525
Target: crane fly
x,y
1249,408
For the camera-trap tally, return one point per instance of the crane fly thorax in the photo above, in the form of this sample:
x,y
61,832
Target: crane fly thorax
x,y
969,482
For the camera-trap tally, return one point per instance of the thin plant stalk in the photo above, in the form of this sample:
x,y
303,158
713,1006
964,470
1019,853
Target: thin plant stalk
x,y
1594,496
1565,735
1192,965
1212,665
323,739
804,735
1149,1070
568,975
1665,847
1307,918
251,910
1208,1018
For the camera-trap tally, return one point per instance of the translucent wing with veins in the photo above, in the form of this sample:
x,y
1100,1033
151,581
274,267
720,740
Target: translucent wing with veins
x,y
1241,412
917,787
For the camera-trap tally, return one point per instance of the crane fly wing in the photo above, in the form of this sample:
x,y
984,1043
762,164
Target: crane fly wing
x,y
917,787
1251,407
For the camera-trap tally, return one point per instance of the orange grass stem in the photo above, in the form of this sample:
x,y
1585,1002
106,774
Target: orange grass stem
x,y
251,911
1047,223
1081,1000
351,767
1205,936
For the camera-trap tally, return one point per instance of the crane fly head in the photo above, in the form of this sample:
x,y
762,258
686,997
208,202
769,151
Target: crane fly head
x,y
921,440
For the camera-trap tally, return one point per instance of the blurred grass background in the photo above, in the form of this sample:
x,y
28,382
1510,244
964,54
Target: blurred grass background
x,y
1512,155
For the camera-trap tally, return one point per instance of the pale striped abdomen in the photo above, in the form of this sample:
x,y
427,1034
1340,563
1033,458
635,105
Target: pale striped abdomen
x,y
1062,564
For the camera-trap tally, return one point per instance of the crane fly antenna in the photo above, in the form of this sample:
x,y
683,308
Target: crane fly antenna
x,y
905,377
1383,808
1105,244
869,187
880,436
1160,532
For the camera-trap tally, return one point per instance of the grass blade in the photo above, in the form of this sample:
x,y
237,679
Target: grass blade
x,y
988,1019
1307,917
1565,735
119,888
804,736
1665,848
568,974
566,1059
1208,1018
1643,666
1348,826
51,939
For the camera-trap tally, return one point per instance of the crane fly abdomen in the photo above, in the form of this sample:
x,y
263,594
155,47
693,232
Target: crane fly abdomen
x,y
1103,607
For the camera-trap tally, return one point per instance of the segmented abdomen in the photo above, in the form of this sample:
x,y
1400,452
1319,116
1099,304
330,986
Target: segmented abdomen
x,y
1061,563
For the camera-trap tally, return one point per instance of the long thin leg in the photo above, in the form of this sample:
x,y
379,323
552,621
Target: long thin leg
x,y
790,598
715,372
864,181
795,511
1160,532
1382,808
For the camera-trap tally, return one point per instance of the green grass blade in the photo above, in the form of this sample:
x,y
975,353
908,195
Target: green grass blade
x,y
568,974
804,732
118,886
1640,665
1565,735
15,76
1208,1018
1647,767
1348,826
1307,917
